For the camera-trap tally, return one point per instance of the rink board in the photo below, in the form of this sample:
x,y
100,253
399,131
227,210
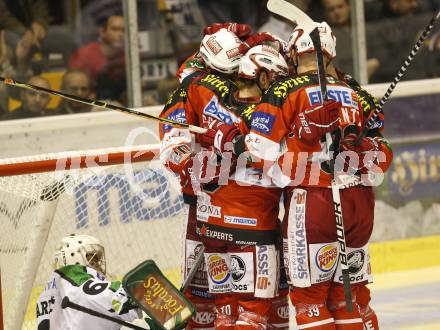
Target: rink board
x,y
402,255
394,264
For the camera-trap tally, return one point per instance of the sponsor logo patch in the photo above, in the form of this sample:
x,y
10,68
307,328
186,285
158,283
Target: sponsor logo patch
x,y
240,220
358,265
262,122
193,249
177,115
204,231
204,211
214,109
179,153
234,52
238,268
242,271
327,257
297,240
282,88
218,269
213,45
338,93
220,85
356,260
283,311
203,318
262,267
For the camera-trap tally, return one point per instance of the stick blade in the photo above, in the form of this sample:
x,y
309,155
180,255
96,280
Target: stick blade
x,y
157,296
292,13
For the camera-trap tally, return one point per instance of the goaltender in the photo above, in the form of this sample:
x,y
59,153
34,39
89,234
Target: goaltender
x,y
80,275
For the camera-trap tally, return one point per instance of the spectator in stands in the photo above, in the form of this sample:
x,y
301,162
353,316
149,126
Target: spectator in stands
x,y
435,4
243,11
435,42
434,49
111,84
338,13
93,57
27,23
394,37
399,8
6,70
76,82
33,103
383,9
92,14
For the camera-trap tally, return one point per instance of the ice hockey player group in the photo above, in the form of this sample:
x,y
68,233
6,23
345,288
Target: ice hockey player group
x,y
267,142
271,137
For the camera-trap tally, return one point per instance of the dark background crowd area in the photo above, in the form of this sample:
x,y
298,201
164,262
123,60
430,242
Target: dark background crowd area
x,y
77,46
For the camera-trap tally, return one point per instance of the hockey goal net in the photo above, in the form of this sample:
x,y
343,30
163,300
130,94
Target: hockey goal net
x,y
123,197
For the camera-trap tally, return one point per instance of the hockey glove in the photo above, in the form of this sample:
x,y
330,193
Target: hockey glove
x,y
312,124
366,150
241,30
200,168
219,135
255,40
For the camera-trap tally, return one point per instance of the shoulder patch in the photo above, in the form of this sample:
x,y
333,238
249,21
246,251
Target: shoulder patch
x,y
246,113
218,84
262,122
279,91
215,109
178,95
344,94
74,274
176,115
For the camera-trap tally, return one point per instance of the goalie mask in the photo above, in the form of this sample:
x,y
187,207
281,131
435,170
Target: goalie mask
x,y
301,43
220,51
262,57
82,250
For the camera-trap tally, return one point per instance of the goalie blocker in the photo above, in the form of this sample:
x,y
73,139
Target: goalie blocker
x,y
157,296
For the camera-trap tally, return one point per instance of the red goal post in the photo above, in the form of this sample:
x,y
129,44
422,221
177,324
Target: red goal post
x,y
122,196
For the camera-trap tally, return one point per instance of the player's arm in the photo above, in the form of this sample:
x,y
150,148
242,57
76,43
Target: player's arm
x,y
177,144
101,295
374,150
271,124
191,65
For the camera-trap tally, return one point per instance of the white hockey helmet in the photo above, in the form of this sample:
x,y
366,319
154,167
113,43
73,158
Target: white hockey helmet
x,y
82,250
301,42
262,57
220,51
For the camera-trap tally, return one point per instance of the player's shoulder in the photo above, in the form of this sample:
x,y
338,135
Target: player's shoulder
x,y
367,101
245,112
177,96
180,94
280,90
75,274
353,83
217,83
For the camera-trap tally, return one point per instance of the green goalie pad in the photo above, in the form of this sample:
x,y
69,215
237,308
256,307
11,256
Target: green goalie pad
x,y
157,296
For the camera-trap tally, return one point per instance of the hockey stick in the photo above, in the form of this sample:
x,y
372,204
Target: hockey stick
x,y
67,303
100,104
294,14
193,270
371,122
